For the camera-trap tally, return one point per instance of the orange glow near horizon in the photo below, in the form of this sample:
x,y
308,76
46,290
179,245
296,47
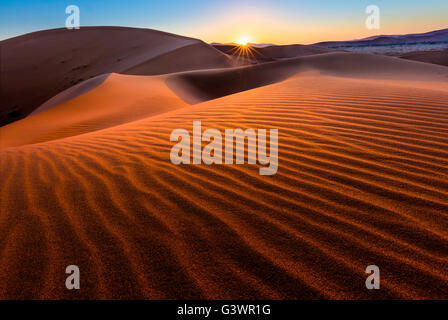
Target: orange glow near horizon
x,y
244,40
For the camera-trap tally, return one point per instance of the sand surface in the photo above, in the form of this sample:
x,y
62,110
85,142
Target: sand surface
x,y
362,179
436,57
62,58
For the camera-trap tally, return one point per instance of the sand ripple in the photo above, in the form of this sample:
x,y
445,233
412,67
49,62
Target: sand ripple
x,y
362,180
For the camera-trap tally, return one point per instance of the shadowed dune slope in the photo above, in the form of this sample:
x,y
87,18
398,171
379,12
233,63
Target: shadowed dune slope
x,y
37,66
72,92
362,180
435,57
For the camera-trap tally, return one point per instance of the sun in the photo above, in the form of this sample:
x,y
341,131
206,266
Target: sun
x,y
244,40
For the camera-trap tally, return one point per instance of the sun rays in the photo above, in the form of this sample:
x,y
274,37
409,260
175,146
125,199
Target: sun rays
x,y
243,51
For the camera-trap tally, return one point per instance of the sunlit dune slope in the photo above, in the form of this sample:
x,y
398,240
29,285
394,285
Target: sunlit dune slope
x,y
362,180
116,100
37,66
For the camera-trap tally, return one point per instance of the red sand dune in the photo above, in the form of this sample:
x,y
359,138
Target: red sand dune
x,y
119,99
436,57
62,58
362,179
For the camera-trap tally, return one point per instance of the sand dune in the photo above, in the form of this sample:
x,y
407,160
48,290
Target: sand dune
x,y
72,92
191,57
270,52
362,180
200,86
436,57
62,58
290,51
112,100
107,101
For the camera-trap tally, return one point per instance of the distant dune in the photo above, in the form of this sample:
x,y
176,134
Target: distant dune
x,y
199,86
272,52
290,51
37,66
436,57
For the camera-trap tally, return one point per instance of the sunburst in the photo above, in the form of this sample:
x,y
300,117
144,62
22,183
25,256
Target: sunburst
x,y
243,50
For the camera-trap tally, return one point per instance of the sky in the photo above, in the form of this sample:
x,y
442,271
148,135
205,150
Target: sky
x,y
260,21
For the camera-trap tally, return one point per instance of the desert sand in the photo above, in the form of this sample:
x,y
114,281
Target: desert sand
x,y
362,179
436,57
39,65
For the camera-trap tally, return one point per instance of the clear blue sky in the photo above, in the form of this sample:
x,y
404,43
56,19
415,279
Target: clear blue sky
x,y
281,21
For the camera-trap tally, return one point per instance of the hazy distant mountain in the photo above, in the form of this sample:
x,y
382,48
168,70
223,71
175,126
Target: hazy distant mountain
x,y
433,36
